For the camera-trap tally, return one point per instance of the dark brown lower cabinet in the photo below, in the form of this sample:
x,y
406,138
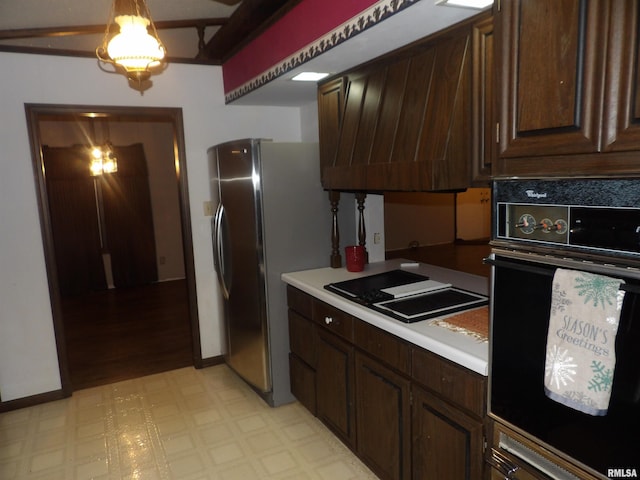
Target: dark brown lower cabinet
x,y
335,386
407,413
446,442
383,411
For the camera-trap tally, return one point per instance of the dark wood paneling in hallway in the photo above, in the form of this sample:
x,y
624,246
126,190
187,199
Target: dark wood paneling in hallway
x,y
126,333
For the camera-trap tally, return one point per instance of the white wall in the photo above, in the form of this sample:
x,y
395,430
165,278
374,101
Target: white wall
x,y
374,226
28,358
374,204
309,122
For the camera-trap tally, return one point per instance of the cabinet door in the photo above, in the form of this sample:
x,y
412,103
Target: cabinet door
x,y
335,386
446,442
483,96
383,419
550,76
622,92
330,108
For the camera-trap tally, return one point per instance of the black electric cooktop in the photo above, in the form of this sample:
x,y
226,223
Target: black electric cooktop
x,y
369,289
407,305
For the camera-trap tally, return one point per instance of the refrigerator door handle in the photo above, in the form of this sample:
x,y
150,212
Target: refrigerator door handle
x,y
220,259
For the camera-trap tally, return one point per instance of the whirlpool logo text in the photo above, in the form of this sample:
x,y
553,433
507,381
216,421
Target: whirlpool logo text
x,y
534,194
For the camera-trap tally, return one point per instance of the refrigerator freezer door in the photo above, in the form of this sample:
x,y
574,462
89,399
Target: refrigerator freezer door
x,y
241,253
279,219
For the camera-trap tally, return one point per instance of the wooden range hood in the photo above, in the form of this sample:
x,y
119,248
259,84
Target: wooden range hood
x,y
405,121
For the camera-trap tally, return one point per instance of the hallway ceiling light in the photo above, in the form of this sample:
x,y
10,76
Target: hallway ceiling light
x,y
136,50
103,160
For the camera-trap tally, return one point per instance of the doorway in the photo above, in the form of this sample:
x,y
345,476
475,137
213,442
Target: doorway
x,y
117,242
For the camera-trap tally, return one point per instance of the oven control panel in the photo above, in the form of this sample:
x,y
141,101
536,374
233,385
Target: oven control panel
x,y
542,223
599,215
609,230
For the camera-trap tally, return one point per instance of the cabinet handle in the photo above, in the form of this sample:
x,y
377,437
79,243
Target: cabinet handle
x,y
328,320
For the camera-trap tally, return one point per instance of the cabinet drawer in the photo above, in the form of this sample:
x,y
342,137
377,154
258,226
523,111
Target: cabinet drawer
x,y
383,346
301,338
334,320
299,301
463,387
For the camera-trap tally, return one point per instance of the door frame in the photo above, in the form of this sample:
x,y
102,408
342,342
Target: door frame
x,y
34,113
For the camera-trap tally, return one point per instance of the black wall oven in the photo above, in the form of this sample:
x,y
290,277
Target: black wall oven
x,y
583,225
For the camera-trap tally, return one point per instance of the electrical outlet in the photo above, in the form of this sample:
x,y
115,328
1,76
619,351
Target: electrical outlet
x,y
207,207
376,238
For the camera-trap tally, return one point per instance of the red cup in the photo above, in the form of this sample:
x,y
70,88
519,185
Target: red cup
x,y
355,257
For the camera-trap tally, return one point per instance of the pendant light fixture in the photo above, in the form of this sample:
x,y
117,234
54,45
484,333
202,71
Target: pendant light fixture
x,y
135,49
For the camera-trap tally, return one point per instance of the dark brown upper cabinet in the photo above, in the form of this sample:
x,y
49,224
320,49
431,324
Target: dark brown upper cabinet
x,y
622,86
567,87
484,103
331,104
406,122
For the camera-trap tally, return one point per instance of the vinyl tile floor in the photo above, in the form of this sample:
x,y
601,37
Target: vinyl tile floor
x,y
184,424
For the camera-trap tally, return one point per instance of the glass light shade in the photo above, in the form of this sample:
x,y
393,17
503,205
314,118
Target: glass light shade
x,y
96,153
96,167
133,48
109,161
109,165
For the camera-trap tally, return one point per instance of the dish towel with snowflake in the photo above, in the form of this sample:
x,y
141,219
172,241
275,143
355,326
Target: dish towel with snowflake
x,y
583,322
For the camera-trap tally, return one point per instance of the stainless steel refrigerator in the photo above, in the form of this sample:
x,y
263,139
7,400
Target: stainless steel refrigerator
x,y
272,216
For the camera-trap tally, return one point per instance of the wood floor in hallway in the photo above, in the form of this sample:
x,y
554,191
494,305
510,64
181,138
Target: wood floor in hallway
x,y
127,333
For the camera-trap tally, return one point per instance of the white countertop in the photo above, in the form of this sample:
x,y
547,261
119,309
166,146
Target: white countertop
x,y
462,349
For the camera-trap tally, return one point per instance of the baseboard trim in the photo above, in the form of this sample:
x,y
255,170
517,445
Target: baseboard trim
x,y
32,400
211,361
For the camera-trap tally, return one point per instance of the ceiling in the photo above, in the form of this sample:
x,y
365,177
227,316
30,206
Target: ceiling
x,y
209,32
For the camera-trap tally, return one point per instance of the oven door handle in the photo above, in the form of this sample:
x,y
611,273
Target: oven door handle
x,y
627,287
518,266
501,463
